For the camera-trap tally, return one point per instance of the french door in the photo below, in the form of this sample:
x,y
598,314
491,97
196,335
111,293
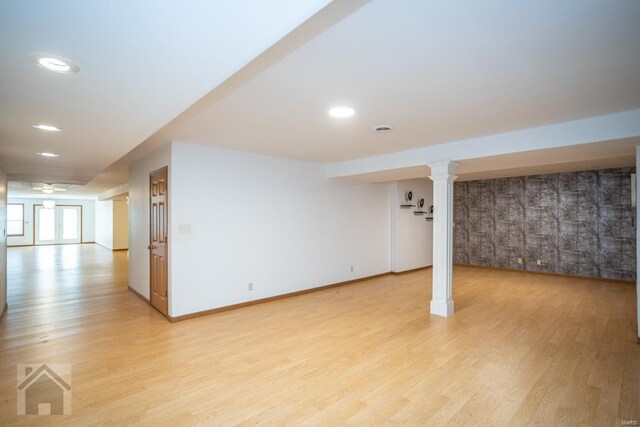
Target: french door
x,y
60,224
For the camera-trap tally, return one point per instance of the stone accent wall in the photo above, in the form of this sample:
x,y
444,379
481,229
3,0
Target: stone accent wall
x,y
579,223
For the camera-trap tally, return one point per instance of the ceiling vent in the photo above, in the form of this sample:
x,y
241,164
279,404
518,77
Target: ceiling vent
x,y
383,128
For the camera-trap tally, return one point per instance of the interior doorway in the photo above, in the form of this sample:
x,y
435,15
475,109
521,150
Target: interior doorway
x,y
57,224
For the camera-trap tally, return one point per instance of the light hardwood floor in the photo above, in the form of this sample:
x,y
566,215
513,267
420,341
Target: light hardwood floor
x,y
520,349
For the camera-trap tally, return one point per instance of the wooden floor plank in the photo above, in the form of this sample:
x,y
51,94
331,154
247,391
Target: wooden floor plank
x,y
520,349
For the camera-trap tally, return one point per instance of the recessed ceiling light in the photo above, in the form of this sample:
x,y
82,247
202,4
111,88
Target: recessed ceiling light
x,y
341,112
48,128
53,63
45,154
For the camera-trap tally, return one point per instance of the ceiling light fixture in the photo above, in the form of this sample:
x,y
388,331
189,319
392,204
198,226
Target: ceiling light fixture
x,y
45,154
48,128
341,112
53,63
48,188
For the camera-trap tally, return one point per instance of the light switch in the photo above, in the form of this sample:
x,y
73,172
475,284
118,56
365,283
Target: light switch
x,y
184,229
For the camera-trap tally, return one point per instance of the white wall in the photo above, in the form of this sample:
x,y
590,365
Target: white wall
x,y
139,218
277,223
112,224
3,240
412,235
120,225
88,219
104,223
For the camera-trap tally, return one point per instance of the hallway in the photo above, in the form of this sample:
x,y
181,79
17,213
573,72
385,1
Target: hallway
x,y
521,348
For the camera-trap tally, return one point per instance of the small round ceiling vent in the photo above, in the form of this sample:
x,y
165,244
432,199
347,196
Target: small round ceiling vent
x,y
382,128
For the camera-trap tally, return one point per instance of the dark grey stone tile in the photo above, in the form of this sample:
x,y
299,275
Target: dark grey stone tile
x,y
629,245
568,242
568,182
610,197
503,257
502,238
568,227
460,257
576,223
589,227
587,181
517,212
627,260
587,212
568,262
588,196
588,267
517,239
549,228
502,212
588,242
610,245
568,212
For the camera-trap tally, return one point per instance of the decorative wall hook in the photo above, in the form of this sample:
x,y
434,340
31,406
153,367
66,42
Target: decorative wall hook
x,y
408,196
420,206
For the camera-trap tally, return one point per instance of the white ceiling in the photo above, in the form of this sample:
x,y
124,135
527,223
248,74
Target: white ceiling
x,y
142,63
437,71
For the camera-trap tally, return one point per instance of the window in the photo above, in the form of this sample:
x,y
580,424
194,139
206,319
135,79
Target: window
x,y
15,220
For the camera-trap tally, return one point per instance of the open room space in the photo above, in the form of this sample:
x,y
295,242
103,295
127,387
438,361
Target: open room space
x,y
522,348
319,212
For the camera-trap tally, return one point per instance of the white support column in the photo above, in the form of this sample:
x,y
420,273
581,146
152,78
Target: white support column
x,y
442,175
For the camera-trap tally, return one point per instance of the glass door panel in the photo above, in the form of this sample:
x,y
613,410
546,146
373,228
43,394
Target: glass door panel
x,y
70,224
45,226
61,224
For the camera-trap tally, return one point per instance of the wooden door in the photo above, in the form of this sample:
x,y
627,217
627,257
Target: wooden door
x,y
159,243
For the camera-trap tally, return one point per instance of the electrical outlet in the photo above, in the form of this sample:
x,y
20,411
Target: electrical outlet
x,y
352,269
520,261
539,262
250,286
